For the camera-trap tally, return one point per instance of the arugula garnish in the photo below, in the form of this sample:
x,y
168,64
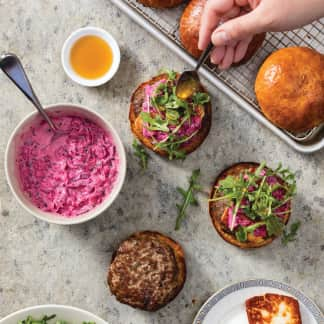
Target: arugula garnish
x,y
254,187
242,233
155,123
290,236
200,98
172,146
140,152
172,75
188,197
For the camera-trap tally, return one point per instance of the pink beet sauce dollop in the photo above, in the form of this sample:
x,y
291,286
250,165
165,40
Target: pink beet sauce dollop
x,y
69,174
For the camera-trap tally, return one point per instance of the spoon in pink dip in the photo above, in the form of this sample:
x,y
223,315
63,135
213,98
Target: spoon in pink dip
x,y
12,67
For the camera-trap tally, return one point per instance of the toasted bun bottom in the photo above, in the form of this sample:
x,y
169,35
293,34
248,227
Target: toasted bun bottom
x,y
217,209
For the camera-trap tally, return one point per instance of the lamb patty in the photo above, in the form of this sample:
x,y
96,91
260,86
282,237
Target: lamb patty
x,y
147,271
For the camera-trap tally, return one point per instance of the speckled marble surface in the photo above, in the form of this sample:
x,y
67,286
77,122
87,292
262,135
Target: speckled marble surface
x,y
42,263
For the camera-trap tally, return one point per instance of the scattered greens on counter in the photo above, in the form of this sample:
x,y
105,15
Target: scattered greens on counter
x,y
45,319
290,236
188,197
140,152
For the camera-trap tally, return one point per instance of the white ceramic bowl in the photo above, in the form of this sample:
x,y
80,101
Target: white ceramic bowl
x,y
13,175
70,314
66,50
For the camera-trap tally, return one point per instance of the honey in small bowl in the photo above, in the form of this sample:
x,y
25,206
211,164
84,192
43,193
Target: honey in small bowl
x,y
91,57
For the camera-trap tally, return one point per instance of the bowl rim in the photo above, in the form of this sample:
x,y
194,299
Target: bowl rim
x,y
41,307
57,219
90,31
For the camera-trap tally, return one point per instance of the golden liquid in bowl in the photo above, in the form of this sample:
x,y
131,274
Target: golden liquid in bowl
x,y
91,57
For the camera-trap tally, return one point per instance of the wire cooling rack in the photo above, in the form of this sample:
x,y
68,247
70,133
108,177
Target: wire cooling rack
x,y
237,82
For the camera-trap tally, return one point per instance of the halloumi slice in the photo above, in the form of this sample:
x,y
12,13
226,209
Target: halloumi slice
x,y
273,309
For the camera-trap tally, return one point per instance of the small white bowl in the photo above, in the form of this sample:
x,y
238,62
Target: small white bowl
x,y
67,313
66,51
13,176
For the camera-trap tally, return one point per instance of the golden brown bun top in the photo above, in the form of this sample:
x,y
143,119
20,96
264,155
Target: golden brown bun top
x,y
161,3
189,31
290,88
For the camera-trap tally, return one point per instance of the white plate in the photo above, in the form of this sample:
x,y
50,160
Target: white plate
x,y
228,305
70,314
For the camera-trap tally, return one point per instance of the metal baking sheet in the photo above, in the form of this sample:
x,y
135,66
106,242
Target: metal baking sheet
x,y
238,82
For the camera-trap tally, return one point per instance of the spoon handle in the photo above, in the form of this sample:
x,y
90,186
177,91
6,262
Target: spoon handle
x,y
12,67
204,55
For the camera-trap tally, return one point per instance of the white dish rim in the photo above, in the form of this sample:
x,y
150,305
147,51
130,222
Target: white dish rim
x,y
40,307
232,288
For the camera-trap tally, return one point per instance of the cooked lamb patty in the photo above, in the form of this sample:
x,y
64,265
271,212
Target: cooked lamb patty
x,y
147,271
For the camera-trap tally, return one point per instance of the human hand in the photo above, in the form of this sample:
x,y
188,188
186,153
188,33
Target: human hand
x,y
231,24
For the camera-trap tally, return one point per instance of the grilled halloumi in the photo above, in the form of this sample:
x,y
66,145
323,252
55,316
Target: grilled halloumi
x,y
273,309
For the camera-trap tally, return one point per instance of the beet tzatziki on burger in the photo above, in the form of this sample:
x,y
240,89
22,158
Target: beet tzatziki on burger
x,y
69,174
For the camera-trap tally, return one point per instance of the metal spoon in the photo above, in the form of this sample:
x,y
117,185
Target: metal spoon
x,y
189,82
12,67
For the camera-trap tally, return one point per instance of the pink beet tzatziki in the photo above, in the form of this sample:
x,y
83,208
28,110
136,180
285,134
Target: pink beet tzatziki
x,y
69,174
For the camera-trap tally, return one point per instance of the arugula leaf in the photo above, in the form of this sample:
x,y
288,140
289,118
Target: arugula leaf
x,y
172,148
274,226
174,103
188,197
290,236
242,233
140,152
172,115
200,98
250,213
172,75
155,123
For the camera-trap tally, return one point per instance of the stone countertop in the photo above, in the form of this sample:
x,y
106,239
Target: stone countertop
x,y
42,263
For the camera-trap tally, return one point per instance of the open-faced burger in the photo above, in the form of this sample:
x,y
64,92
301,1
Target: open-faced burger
x,y
147,271
166,124
189,31
161,3
250,204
